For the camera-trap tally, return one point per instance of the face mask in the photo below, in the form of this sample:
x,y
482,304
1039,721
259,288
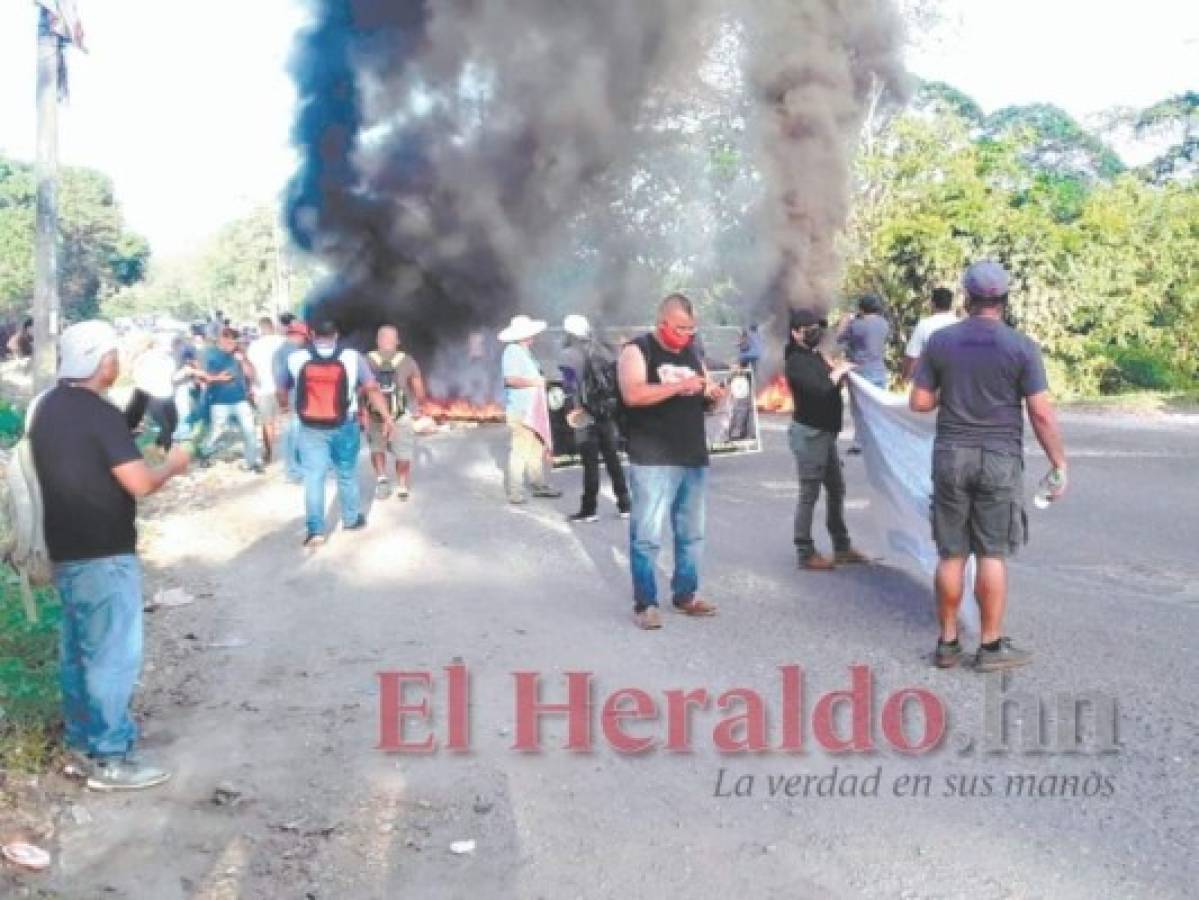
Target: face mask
x,y
325,351
812,338
671,339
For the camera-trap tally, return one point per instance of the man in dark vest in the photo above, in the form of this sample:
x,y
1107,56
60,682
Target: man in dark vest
x,y
664,386
593,417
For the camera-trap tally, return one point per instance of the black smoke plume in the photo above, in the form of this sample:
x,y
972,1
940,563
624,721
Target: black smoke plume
x,y
446,145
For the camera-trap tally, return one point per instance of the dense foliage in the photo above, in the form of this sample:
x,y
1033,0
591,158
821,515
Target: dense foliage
x,y
97,254
1105,261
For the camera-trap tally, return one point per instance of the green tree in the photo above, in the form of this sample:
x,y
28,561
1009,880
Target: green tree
x,y
1105,272
1177,117
939,98
18,193
239,271
1055,142
97,254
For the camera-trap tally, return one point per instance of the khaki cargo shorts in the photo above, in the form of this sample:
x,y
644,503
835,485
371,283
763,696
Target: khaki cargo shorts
x,y
978,503
403,442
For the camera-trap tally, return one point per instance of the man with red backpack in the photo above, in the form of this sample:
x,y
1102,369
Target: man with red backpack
x,y
328,379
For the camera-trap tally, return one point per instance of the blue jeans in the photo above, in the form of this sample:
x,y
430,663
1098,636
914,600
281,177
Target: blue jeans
x,y
101,651
201,408
318,448
243,413
185,402
656,491
291,448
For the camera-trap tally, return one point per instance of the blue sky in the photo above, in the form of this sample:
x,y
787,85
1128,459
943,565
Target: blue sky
x,y
189,110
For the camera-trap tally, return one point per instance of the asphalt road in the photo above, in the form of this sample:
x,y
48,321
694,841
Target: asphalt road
x,y
268,688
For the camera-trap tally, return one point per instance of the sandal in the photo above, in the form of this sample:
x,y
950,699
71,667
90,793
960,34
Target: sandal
x,y
696,607
648,619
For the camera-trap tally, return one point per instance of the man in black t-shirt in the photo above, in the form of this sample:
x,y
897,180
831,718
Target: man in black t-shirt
x,y
816,391
664,385
91,474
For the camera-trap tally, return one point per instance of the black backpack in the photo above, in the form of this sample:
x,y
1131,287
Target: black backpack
x,y
599,387
393,392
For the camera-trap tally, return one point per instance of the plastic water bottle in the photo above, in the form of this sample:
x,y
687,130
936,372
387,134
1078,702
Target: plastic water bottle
x,y
1048,487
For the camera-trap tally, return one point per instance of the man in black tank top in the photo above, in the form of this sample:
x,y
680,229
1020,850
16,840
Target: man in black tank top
x,y
664,386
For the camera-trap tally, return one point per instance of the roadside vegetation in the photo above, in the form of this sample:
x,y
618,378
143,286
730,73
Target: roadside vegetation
x,y
30,718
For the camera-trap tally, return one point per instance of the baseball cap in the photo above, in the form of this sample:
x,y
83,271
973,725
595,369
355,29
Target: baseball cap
x,y
82,346
986,280
870,303
805,318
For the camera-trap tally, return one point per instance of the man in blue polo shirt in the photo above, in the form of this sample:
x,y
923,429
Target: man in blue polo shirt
x,y
227,373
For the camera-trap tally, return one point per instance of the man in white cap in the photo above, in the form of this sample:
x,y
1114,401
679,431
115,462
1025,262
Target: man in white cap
x,y
328,381
526,409
91,474
589,375
980,375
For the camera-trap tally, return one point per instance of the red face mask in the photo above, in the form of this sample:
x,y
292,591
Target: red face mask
x,y
671,339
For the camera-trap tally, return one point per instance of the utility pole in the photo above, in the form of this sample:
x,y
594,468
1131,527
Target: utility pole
x,y
45,292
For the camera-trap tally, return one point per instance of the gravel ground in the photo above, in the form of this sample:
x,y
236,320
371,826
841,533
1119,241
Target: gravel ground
x,y
263,697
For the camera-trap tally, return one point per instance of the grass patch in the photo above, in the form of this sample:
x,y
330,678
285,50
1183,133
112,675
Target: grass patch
x,y
1141,402
30,707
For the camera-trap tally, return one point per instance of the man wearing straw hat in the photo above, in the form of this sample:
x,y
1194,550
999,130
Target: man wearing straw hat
x,y
527,411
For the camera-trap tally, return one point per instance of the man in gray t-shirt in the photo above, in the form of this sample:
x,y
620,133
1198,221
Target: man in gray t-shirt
x,y
865,339
984,370
980,374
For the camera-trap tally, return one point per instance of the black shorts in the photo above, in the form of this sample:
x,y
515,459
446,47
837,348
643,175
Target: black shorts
x,y
978,502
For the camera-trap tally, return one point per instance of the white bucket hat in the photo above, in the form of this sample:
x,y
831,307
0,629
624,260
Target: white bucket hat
x,y
82,346
576,326
521,328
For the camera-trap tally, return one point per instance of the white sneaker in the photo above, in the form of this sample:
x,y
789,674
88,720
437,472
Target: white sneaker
x,y
124,775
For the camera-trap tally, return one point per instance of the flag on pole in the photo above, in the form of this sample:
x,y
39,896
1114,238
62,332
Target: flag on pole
x,y
62,19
